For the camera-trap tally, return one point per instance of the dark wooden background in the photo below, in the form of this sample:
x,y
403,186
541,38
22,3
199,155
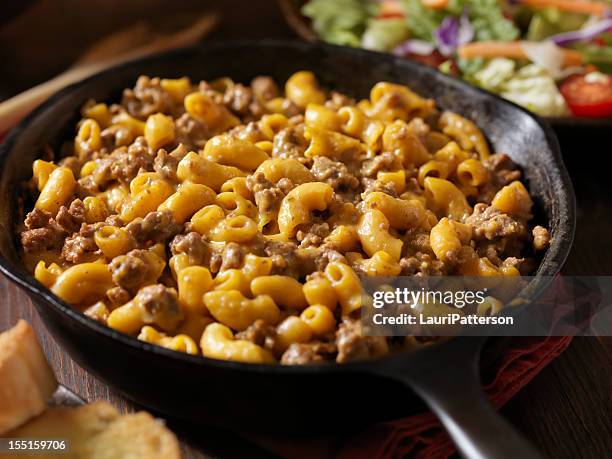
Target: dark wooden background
x,y
565,410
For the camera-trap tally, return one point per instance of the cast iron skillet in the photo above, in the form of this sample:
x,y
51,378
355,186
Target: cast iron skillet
x,y
294,399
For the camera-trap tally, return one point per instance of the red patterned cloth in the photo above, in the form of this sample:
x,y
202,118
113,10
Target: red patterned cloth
x,y
421,436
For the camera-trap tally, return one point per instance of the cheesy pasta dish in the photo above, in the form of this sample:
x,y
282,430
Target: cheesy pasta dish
x,y
235,221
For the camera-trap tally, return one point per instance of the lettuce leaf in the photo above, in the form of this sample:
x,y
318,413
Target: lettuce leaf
x,y
485,16
599,56
487,19
531,86
551,21
535,89
422,21
341,22
384,34
495,73
469,67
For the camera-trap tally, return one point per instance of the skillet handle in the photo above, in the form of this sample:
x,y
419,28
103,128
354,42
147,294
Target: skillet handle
x,y
450,385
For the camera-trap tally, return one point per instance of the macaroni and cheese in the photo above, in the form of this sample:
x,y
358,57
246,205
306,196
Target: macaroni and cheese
x,y
235,221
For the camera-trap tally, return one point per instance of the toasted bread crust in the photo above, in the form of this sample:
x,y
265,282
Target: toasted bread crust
x,y
26,380
135,435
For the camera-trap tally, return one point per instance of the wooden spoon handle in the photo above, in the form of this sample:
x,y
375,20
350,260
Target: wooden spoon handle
x,y
14,109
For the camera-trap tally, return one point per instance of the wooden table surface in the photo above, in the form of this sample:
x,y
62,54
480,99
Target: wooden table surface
x,y
565,410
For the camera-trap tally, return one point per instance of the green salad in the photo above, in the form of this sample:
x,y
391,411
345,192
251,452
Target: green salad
x,y
553,57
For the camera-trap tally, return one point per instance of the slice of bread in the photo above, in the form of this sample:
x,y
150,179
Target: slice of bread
x,y
74,425
26,380
136,435
98,431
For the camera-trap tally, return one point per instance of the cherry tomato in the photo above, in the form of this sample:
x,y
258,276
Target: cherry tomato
x,y
589,96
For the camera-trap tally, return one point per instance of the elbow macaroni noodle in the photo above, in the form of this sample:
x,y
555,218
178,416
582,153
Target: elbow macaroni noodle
x,y
239,231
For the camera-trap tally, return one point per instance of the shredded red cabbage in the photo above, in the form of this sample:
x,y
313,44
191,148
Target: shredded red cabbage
x,y
586,34
453,33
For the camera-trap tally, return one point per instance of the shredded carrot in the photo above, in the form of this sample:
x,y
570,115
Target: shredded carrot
x,y
492,49
574,6
435,4
391,8
511,50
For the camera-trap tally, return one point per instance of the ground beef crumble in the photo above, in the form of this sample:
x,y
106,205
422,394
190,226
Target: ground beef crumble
x,y
352,345
264,88
160,306
118,296
384,162
422,264
251,132
260,333
541,238
157,226
372,185
42,232
116,136
290,143
232,256
490,223
325,256
39,239
166,164
128,162
193,244
240,100
309,353
314,236
81,247
268,196
334,173
502,171
147,98
497,235
191,132
283,255
37,219
71,218
130,271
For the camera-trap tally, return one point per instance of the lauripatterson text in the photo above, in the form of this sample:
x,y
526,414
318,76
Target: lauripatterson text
x,y
448,319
